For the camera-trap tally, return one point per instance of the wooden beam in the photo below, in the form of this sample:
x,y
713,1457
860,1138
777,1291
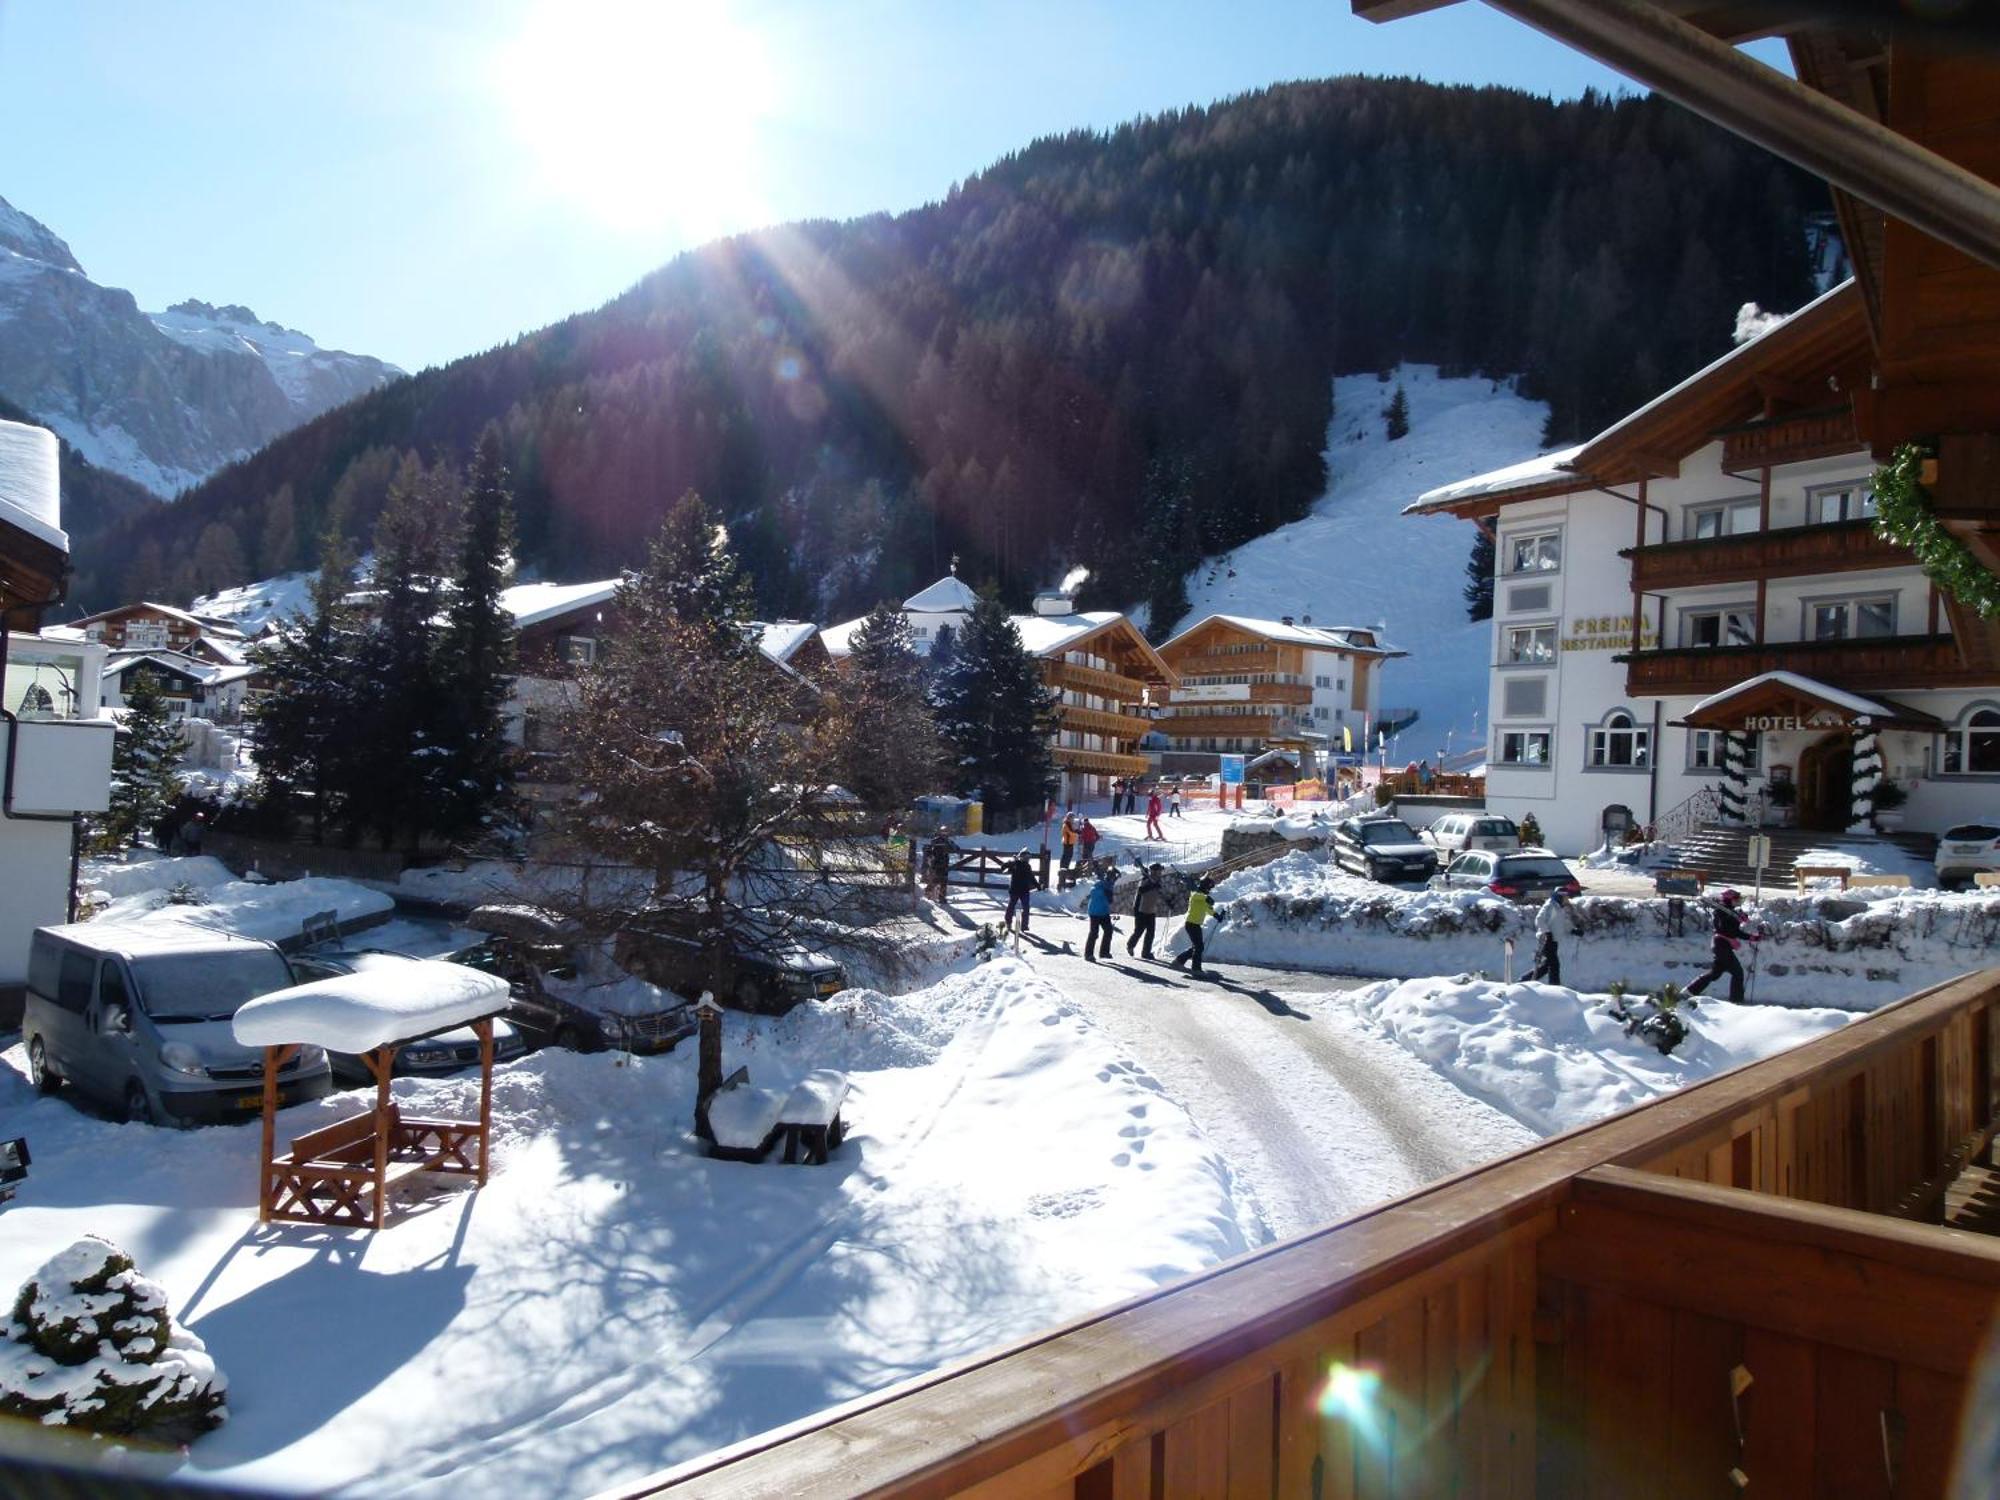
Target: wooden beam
x,y
1849,150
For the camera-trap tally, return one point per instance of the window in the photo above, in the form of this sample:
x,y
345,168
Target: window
x,y
1848,502
1972,748
579,650
1705,750
1534,552
1844,619
1718,627
1619,744
1530,646
1736,518
73,989
111,986
1525,747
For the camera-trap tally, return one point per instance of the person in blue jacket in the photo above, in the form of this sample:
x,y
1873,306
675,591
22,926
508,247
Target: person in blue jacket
x,y
1098,908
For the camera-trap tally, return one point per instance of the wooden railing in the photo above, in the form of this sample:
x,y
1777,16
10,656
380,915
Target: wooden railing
x,y
1104,762
1104,684
1881,664
1229,663
1637,1308
1790,440
1267,726
1099,721
1792,551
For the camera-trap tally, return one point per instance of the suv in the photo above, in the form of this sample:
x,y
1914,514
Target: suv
x,y
428,1057
1967,850
527,946
769,980
1525,875
1454,833
1382,848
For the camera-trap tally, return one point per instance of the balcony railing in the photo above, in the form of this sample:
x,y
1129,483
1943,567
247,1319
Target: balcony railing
x,y
1069,674
1790,440
1230,663
1243,692
1883,664
1099,721
57,765
1104,762
1837,547
1188,726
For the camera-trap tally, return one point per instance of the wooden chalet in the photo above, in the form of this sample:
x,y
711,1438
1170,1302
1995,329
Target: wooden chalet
x,y
1108,679
146,626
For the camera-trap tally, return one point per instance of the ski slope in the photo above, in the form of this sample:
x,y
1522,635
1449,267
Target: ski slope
x,y
1357,560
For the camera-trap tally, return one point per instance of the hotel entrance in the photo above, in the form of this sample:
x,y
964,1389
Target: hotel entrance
x,y
1826,783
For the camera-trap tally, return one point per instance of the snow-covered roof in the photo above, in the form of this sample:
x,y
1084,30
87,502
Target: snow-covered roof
x,y
532,603
30,490
947,596
1545,469
361,1011
170,611
118,662
1853,702
1319,637
781,640
1047,635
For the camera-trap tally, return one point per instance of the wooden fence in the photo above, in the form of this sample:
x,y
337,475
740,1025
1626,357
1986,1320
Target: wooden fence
x,y
1700,1295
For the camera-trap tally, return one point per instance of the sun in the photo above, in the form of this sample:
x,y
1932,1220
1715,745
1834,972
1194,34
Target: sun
x,y
642,114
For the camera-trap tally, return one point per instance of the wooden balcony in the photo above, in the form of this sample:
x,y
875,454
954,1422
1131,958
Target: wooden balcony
x,y
1231,664
1791,439
1569,1320
1099,721
1883,665
1840,547
1266,726
1196,694
1104,762
1066,674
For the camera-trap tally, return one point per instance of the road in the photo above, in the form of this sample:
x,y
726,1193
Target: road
x,y
1317,1116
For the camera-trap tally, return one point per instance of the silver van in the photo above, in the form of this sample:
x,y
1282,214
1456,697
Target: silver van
x,y
138,1019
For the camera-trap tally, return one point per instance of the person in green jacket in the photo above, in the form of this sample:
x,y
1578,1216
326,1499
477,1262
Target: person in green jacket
x,y
1200,909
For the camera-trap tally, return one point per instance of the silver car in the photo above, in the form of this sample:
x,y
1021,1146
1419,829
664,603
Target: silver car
x,y
1967,850
1454,833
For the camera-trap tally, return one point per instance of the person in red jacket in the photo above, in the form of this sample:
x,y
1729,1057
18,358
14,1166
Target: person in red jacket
x,y
1730,934
1153,815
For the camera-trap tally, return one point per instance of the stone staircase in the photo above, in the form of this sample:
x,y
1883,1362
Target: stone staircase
x,y
1724,852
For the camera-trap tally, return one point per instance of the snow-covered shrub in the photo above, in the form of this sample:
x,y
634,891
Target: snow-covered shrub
x,y
91,1344
186,893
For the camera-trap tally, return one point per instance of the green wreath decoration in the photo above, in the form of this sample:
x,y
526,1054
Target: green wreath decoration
x,y
1903,515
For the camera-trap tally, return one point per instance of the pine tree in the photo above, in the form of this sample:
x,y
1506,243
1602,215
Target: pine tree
x,y
997,715
894,753
944,652
144,778
306,727
692,576
475,656
1397,415
280,540
1479,577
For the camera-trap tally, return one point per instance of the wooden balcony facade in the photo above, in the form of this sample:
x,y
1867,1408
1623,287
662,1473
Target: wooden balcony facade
x,y
1793,551
1226,725
1790,439
1101,721
1885,665
1093,680
1236,663
1575,1319
1099,762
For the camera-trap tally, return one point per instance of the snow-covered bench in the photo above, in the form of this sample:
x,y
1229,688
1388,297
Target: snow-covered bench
x,y
811,1116
742,1119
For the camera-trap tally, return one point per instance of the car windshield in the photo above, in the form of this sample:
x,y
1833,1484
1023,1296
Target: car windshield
x,y
1395,831
1973,831
1535,869
207,986
1495,828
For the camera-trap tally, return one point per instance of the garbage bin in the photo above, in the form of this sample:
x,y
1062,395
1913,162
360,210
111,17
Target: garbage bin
x,y
975,817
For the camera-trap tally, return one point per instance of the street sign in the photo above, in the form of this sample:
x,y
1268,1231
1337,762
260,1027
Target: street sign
x,y
1232,770
1760,851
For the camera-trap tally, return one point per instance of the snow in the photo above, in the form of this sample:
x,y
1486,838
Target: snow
x,y
948,595
778,641
1866,707
30,491
1855,950
252,606
1340,636
293,359
1048,635
743,1116
613,1300
361,1011
1358,558
1544,469
532,603
1555,1059
139,895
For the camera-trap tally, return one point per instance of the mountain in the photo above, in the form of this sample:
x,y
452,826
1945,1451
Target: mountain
x,y
1112,349
164,399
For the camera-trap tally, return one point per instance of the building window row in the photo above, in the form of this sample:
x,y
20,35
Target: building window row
x,y
1530,646
1843,619
1525,747
1619,744
1534,552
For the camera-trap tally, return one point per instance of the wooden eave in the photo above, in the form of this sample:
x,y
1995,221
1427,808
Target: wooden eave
x,y
1134,650
34,574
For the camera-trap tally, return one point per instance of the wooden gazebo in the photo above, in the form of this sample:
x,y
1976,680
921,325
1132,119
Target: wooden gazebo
x,y
341,1174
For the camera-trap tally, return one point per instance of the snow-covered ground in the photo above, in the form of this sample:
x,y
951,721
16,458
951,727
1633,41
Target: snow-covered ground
x,y
199,891
1857,951
252,606
1357,560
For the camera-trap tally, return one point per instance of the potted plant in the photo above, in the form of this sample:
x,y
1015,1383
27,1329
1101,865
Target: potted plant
x,y
1889,799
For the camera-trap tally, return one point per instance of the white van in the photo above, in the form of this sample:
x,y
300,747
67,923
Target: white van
x,y
138,1019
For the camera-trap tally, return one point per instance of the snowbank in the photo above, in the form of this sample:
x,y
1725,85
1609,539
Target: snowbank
x,y
1858,950
1555,1059
361,1011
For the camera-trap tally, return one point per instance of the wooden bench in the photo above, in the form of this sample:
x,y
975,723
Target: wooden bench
x,y
330,1175
1986,880
810,1117
1804,873
741,1119
1879,882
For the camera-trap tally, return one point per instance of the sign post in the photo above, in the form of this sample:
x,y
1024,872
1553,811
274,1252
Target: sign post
x,y
1232,776
1760,858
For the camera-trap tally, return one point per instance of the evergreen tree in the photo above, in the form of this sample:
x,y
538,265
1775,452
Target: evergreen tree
x,y
692,576
1479,577
1396,415
894,753
944,652
145,780
280,540
308,725
997,715
475,656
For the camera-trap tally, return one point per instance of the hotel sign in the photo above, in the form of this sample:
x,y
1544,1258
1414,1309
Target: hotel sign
x,y
1824,718
1213,692
1607,633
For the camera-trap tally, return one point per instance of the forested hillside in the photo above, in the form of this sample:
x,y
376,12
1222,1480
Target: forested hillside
x,y
1109,349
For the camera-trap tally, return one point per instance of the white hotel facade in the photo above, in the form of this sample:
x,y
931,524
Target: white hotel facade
x,y
1695,621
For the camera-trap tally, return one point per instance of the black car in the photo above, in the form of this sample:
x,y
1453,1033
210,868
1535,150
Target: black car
x,y
536,952
1382,848
428,1056
661,946
1527,875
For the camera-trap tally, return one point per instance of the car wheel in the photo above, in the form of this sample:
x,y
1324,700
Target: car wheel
x,y
47,1080
138,1107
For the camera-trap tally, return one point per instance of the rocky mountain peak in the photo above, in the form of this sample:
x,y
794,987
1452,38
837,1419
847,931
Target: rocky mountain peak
x,y
29,237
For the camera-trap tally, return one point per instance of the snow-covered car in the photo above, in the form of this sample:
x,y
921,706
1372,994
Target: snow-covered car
x,y
1454,833
1967,850
1382,848
1525,875
537,953
429,1056
768,977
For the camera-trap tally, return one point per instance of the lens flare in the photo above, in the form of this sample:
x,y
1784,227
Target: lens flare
x,y
1354,1396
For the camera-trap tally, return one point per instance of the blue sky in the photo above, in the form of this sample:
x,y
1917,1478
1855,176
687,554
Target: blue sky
x,y
420,179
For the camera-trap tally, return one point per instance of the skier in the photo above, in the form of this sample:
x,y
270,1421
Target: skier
x,y
1146,904
1117,797
1200,909
1730,934
1174,804
1098,908
1086,841
1020,886
937,866
1554,924
1068,849
1153,815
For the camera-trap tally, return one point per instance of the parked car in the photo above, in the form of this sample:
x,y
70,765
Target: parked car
x,y
536,952
1454,833
769,978
1525,875
1382,848
427,1057
1967,850
138,1019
